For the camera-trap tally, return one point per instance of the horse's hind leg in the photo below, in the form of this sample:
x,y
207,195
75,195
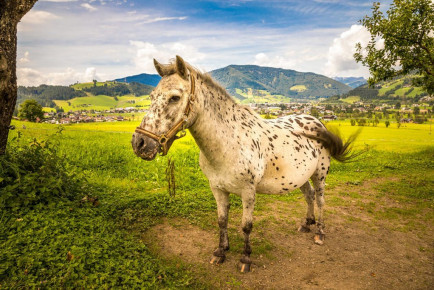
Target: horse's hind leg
x,y
318,180
309,195
248,199
222,199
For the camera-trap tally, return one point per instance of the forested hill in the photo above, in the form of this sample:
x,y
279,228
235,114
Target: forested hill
x,y
46,94
277,81
399,88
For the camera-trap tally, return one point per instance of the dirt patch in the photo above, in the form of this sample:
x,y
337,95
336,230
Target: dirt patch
x,y
356,254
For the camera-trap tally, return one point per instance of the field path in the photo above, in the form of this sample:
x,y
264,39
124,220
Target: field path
x,y
362,249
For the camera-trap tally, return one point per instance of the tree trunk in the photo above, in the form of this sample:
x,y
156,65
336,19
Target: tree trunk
x,y
11,12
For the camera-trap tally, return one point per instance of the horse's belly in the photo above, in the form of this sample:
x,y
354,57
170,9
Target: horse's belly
x,y
285,177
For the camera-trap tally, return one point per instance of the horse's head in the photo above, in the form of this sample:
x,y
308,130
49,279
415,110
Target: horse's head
x,y
169,113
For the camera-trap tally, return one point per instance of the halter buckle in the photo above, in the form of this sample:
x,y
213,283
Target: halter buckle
x,y
163,139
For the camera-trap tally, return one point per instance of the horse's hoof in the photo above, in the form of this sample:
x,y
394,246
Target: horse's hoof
x,y
319,239
244,268
304,229
217,260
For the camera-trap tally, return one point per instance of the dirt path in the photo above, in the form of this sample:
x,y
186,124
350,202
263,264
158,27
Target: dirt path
x,y
360,252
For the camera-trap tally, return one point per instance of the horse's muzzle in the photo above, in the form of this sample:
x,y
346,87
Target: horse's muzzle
x,y
145,147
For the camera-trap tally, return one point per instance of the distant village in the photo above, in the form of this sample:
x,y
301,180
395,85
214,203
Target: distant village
x,y
88,116
329,112
322,111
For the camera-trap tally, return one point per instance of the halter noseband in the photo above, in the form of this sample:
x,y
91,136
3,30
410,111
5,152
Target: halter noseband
x,y
163,138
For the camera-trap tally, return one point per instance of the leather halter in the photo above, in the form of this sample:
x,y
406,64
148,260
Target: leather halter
x,y
165,137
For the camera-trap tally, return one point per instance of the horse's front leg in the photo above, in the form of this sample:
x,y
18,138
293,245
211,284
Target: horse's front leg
x,y
248,200
222,199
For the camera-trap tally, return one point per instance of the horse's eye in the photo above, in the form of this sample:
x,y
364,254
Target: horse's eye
x,y
174,99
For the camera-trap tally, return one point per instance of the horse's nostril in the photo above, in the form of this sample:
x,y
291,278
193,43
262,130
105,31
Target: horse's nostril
x,y
141,142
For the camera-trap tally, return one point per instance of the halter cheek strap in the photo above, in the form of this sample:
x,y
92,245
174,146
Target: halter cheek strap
x,y
181,125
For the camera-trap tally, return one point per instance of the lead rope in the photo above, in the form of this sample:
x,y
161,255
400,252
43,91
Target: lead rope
x,y
170,177
170,169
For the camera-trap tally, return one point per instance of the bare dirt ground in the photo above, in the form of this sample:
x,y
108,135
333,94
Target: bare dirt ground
x,y
360,250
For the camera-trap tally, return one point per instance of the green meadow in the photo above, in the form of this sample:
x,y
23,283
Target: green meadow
x,y
351,99
262,96
96,239
80,86
402,91
101,102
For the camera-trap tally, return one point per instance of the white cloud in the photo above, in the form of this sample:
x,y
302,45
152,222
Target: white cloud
x,y
340,59
90,73
158,19
88,7
25,58
286,61
145,52
32,77
37,17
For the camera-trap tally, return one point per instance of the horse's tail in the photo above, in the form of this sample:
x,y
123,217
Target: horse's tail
x,y
340,149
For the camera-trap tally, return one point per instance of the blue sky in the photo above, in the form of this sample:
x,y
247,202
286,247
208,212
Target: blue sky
x,y
64,41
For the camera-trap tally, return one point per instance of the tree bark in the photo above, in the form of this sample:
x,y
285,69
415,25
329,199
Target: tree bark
x,y
11,12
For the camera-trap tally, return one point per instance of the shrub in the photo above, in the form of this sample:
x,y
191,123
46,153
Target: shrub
x,y
34,173
419,119
361,122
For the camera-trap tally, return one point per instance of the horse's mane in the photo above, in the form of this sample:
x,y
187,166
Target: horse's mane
x,y
206,77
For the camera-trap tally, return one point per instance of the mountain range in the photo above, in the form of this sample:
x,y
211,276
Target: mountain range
x,y
248,83
353,82
245,81
146,79
277,81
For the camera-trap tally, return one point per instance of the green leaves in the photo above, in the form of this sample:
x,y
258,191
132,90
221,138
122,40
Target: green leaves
x,y
33,173
31,110
401,42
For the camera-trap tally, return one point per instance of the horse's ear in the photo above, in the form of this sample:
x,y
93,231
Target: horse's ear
x,y
159,68
181,68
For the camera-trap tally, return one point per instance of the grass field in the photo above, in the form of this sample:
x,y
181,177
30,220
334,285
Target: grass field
x,y
401,91
81,86
136,236
298,88
101,102
263,97
351,99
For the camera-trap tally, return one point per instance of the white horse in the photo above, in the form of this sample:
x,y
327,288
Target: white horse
x,y
240,152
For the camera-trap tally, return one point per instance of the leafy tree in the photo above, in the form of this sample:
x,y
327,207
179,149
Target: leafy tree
x,y
387,123
59,109
268,116
361,122
416,110
398,105
314,112
31,110
401,42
